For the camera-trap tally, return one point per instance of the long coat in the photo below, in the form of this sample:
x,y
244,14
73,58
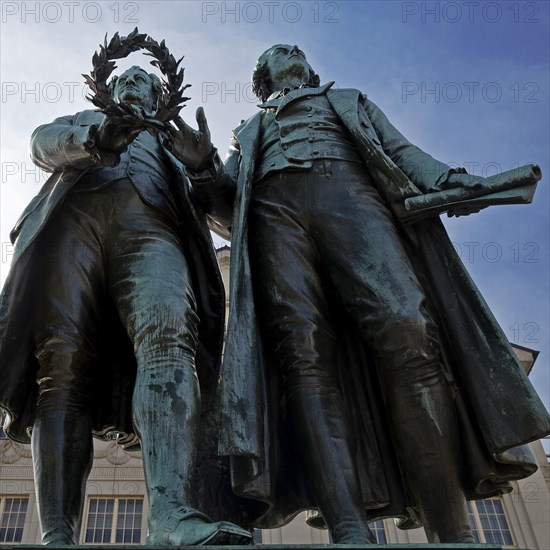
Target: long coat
x,y
115,369
497,408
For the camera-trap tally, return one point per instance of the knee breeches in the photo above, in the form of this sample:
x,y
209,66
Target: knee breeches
x,y
327,232
107,251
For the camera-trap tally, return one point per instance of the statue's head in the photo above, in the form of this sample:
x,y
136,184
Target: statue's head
x,y
137,86
278,63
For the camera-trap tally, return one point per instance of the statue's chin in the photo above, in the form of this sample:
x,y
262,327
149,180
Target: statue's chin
x,y
295,72
129,97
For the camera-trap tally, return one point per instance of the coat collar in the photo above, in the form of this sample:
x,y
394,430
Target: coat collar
x,y
279,100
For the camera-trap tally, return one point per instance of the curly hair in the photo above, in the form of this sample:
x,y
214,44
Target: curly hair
x,y
262,85
156,83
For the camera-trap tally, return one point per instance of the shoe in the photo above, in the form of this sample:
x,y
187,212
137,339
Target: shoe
x,y
352,532
57,540
466,538
187,526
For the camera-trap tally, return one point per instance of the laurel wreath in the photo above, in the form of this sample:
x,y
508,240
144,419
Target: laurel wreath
x,y
171,97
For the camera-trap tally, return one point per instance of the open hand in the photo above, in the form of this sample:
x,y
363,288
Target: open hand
x,y
193,147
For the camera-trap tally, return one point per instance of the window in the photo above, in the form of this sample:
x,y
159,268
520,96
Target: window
x,y
257,536
13,512
377,527
488,522
113,520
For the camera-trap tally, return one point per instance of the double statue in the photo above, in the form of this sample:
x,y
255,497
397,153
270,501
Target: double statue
x,y
364,376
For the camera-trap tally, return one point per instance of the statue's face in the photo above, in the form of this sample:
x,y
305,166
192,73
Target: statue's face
x,y
135,86
285,61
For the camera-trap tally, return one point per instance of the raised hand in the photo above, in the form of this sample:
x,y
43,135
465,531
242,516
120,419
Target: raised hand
x,y
193,147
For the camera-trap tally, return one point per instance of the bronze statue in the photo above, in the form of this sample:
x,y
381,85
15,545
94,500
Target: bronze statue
x,y
112,318
364,376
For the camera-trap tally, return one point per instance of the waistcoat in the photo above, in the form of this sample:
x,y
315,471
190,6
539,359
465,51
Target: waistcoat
x,y
146,166
302,130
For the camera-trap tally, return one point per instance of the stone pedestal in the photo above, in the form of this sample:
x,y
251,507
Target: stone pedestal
x,y
423,546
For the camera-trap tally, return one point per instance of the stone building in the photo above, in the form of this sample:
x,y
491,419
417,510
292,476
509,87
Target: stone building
x,y
116,506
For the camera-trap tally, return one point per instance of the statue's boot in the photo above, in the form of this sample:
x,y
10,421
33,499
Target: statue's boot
x,y
166,417
62,454
187,526
426,433
324,443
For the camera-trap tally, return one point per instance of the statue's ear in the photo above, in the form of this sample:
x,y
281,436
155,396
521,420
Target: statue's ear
x,y
261,94
157,90
314,78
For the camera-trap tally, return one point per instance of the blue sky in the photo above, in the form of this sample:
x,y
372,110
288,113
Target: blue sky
x,y
466,81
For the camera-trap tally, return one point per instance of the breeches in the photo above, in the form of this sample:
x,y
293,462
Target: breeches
x,y
108,251
326,232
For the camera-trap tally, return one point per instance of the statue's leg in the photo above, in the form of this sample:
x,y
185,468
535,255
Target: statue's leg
x,y
325,445
377,284
151,286
296,331
66,321
62,455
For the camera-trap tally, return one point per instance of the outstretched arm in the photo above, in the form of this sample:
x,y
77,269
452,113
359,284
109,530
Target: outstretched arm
x,y
62,144
65,144
427,173
420,167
